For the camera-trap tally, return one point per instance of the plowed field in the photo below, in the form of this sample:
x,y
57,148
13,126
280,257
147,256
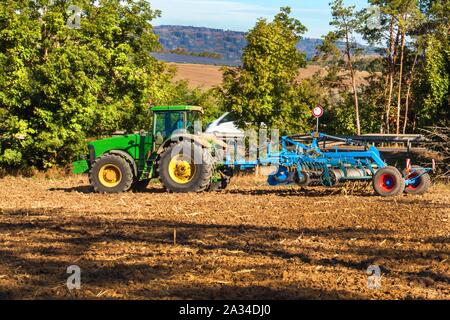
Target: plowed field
x,y
251,241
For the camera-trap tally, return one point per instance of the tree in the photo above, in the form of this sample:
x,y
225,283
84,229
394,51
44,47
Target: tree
x,y
408,14
59,85
433,89
415,37
389,35
346,23
409,83
264,89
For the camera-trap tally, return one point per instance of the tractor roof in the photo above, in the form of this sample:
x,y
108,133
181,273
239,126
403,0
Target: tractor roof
x,y
177,108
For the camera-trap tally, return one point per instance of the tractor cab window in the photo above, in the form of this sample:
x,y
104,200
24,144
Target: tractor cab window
x,y
166,123
194,122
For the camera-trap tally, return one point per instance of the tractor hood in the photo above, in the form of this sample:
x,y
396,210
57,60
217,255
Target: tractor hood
x,y
128,143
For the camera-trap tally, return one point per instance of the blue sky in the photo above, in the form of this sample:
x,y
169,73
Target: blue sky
x,y
241,15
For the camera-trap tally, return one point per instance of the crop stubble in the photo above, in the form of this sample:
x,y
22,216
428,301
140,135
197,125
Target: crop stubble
x,y
248,242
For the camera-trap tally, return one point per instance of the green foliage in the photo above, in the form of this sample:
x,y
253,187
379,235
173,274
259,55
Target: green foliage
x,y
60,85
342,118
340,63
369,64
205,54
209,100
264,89
433,87
372,103
435,83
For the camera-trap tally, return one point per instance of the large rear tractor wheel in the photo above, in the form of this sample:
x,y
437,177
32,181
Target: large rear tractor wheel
x,y
421,184
111,173
185,167
388,182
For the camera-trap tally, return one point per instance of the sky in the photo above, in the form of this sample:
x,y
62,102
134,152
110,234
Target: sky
x,y
241,15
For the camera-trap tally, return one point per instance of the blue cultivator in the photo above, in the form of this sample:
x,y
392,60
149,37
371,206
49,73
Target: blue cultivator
x,y
308,165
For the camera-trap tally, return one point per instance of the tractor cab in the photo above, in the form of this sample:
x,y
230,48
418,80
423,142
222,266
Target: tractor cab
x,y
169,120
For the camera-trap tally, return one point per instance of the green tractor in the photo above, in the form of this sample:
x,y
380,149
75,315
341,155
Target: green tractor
x,y
182,159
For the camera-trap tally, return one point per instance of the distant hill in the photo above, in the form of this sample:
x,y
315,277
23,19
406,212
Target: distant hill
x,y
229,44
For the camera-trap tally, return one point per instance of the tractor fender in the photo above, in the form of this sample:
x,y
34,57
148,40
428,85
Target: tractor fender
x,y
128,157
202,140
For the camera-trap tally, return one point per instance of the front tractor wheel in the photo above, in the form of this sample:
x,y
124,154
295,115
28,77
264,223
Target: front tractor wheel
x,y
111,173
185,167
388,182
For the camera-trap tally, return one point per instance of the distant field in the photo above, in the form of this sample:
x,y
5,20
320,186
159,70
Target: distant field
x,y
208,76
199,75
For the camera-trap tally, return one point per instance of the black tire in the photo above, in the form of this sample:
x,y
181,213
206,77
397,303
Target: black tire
x,y
388,182
421,186
219,185
226,175
118,163
201,177
140,186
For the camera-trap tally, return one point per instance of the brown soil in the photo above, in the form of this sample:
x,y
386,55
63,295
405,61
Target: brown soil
x,y
251,241
198,75
208,76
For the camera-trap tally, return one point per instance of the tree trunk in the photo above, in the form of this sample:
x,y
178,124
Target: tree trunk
x,y
355,97
393,61
389,100
400,82
408,92
389,50
352,74
382,121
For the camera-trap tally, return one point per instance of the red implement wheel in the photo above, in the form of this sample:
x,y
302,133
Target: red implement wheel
x,y
420,185
388,182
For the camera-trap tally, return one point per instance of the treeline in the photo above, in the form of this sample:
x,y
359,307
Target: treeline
x,y
407,86
61,85
183,51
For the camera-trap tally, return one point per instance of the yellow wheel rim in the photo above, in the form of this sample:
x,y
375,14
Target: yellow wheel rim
x,y
181,169
110,175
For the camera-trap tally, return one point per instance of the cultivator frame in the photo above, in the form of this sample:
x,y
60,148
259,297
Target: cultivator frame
x,y
308,165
